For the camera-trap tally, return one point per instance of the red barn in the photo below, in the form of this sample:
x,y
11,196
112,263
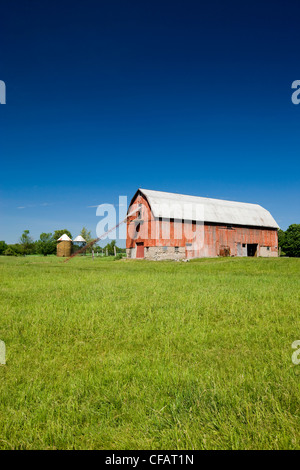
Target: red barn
x,y
174,226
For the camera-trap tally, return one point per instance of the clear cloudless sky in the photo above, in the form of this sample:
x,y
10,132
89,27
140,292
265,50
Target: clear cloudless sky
x,y
104,97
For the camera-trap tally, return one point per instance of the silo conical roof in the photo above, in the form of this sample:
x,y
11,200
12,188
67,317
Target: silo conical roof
x,y
79,239
64,238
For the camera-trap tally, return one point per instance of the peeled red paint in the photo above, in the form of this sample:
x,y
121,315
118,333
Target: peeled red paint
x,y
217,239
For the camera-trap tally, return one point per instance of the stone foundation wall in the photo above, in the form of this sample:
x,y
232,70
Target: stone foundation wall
x,y
163,253
159,253
170,253
130,252
268,253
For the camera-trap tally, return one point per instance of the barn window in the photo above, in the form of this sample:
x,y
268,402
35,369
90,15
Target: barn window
x,y
165,248
268,248
138,227
244,245
176,249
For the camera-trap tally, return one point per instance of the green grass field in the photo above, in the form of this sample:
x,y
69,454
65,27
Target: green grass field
x,y
133,354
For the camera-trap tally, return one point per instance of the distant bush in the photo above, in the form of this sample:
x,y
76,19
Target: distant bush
x,y
46,245
118,256
17,249
3,247
10,252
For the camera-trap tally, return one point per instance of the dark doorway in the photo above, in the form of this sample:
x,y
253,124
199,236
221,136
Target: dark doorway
x,y
252,249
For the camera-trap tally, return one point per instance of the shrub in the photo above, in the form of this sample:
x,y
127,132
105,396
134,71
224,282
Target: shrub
x,y
10,252
3,247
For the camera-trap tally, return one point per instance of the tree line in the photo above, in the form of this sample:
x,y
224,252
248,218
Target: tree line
x,y
46,245
289,241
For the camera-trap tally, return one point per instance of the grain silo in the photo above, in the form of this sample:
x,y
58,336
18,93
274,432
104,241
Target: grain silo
x,y
78,243
64,246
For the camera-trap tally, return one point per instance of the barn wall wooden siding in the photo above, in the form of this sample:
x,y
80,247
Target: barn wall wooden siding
x,y
216,237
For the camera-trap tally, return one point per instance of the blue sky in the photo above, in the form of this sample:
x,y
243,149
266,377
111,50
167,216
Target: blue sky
x,y
182,96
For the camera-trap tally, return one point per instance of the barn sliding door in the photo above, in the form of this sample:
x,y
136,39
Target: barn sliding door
x,y
140,250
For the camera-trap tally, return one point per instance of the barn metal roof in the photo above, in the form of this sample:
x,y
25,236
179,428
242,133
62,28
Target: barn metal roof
x,y
181,206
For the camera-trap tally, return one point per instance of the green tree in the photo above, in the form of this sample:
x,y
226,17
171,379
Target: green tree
x,y
17,248
291,241
110,248
86,235
10,251
58,233
26,242
281,240
88,238
46,245
3,247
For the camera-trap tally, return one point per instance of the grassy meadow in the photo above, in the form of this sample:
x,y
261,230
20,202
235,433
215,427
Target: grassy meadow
x,y
133,354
